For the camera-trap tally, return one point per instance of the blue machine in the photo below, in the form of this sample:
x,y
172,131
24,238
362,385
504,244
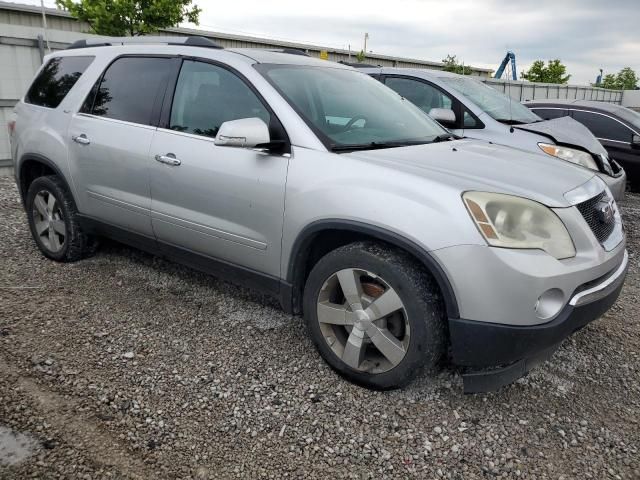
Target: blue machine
x,y
599,79
509,56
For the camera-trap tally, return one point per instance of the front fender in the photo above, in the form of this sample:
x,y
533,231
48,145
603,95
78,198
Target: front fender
x,y
325,190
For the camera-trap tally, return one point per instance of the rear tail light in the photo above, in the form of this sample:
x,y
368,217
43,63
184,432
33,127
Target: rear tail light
x,y
11,126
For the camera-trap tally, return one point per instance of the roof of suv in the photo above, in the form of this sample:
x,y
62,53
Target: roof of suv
x,y
269,56
197,46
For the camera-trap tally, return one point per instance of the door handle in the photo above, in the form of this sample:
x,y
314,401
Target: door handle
x,y
168,159
81,139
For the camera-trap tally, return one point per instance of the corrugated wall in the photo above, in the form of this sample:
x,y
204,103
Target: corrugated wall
x,y
524,91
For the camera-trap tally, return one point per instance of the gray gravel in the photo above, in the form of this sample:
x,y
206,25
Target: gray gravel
x,y
127,366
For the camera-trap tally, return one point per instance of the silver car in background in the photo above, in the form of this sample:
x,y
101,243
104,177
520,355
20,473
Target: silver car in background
x,y
317,184
468,107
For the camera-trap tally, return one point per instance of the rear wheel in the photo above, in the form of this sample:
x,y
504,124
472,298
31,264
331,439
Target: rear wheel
x,y
374,314
53,220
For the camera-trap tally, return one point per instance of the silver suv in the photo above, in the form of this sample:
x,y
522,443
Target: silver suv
x,y
316,183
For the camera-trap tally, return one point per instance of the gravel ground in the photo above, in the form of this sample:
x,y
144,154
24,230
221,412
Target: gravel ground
x,y
127,366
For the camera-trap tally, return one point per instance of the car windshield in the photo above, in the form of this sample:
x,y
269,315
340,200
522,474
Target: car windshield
x,y
349,110
494,103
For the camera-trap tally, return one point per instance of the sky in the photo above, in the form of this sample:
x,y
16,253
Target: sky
x,y
585,35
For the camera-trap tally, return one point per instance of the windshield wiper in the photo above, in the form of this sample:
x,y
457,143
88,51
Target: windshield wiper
x,y
374,145
445,137
510,121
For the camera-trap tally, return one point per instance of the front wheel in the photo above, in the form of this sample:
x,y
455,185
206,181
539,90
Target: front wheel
x,y
375,315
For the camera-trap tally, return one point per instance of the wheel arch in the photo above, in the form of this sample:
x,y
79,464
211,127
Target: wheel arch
x,y
32,166
333,233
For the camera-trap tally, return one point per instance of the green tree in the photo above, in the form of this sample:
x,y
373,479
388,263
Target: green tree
x,y
360,56
451,65
131,17
553,72
625,79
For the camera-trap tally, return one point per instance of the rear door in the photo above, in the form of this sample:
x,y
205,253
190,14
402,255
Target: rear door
x,y
109,141
219,202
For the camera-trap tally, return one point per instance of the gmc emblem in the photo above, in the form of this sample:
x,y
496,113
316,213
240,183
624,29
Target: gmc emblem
x,y
604,211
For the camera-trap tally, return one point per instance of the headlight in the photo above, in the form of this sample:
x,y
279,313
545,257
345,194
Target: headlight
x,y
570,155
514,222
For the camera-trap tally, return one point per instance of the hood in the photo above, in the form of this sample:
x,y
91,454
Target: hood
x,y
476,165
567,131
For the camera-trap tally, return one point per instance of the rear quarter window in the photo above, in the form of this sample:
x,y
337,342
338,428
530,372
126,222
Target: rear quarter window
x,y
55,80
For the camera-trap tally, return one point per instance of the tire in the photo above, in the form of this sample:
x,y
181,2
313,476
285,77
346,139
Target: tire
x,y
59,213
418,326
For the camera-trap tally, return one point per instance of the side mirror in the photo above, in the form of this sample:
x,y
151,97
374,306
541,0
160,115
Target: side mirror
x,y
635,141
243,133
445,116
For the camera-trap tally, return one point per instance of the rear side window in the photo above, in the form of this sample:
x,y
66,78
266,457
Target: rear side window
x,y
55,80
129,89
550,113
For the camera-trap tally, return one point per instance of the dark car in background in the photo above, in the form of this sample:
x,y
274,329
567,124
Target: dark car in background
x,y
617,128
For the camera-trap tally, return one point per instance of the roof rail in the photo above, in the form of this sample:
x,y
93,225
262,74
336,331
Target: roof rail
x,y
191,41
359,64
290,51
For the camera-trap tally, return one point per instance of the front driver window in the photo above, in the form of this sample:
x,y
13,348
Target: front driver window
x,y
207,96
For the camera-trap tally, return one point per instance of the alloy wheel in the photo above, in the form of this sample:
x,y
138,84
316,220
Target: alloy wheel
x,y
363,320
49,221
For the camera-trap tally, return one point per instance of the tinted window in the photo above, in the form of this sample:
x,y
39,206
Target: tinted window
x,y
129,89
603,127
550,113
55,80
207,96
421,94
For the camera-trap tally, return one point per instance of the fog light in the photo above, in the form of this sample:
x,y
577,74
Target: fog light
x,y
549,303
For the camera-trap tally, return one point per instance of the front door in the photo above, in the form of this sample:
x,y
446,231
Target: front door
x,y
221,202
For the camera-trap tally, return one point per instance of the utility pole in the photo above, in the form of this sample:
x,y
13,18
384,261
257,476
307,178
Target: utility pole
x,y
44,25
366,37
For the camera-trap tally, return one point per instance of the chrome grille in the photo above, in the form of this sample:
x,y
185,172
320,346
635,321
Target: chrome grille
x,y
591,211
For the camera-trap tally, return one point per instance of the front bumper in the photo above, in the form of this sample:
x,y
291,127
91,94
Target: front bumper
x,y
501,353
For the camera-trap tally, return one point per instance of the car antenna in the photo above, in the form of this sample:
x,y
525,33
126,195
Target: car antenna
x,y
462,109
511,129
